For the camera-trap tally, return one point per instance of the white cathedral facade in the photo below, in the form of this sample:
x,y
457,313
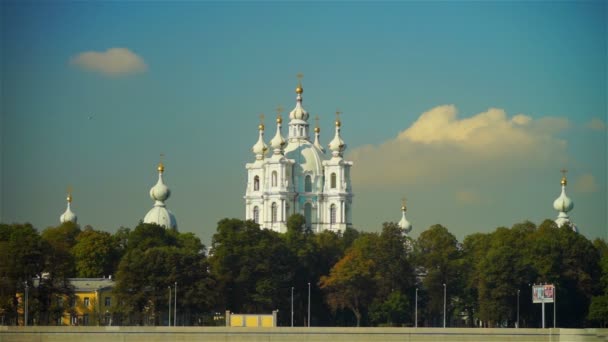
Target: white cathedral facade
x,y
297,175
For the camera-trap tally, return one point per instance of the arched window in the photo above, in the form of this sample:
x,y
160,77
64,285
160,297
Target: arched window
x,y
308,214
256,183
308,184
256,214
273,212
274,178
333,180
332,214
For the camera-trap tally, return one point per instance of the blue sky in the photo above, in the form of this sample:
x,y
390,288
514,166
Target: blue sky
x,y
468,109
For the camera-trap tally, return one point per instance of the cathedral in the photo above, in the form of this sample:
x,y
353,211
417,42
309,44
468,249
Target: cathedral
x,y
298,175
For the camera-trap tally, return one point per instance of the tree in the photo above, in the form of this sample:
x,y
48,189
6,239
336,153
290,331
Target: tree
x,y
21,260
155,259
438,255
568,260
501,272
474,249
254,267
598,309
396,309
394,271
350,283
95,254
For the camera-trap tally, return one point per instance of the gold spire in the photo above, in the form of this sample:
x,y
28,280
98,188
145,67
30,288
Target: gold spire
x,y
403,207
69,194
564,180
317,128
299,88
338,122
279,111
261,125
161,166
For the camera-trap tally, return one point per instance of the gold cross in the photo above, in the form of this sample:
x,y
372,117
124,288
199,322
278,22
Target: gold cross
x,y
262,118
279,110
299,76
316,121
338,112
563,171
162,155
69,190
403,201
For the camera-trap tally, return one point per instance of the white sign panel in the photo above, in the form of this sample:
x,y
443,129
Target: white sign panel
x,y
543,293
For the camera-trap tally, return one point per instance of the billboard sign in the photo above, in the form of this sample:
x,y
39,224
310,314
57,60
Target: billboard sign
x,y
543,294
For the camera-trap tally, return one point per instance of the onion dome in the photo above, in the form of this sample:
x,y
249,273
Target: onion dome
x,y
404,224
299,113
278,142
68,215
159,214
260,148
337,145
160,192
563,203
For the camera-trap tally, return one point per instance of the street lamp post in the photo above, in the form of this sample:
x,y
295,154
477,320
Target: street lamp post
x,y
309,305
26,302
175,307
292,306
416,311
517,309
169,287
444,302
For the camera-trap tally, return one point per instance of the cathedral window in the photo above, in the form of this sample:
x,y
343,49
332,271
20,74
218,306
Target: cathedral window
x,y
256,214
333,180
273,212
332,214
274,178
308,184
256,183
308,214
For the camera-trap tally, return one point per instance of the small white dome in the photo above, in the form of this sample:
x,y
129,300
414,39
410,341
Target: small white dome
x,y
161,216
337,145
299,113
563,203
68,216
260,148
404,223
278,142
160,192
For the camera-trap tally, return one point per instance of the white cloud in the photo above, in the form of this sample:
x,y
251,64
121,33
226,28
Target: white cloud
x,y
439,147
114,61
596,124
585,183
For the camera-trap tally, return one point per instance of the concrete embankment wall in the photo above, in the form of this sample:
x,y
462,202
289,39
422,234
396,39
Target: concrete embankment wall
x,y
185,334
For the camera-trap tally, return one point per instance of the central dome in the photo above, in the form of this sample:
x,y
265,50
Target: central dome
x,y
307,156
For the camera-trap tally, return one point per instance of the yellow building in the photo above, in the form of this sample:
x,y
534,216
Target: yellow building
x,y
93,302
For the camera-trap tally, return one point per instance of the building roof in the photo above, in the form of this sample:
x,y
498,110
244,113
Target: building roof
x,y
90,284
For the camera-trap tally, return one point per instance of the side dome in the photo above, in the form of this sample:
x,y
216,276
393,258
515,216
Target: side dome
x,y
161,216
68,216
563,203
160,192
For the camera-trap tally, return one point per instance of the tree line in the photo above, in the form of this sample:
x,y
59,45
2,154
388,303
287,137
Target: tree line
x,y
355,278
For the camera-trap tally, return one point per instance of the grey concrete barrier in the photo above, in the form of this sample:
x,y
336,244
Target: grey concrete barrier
x,y
333,334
